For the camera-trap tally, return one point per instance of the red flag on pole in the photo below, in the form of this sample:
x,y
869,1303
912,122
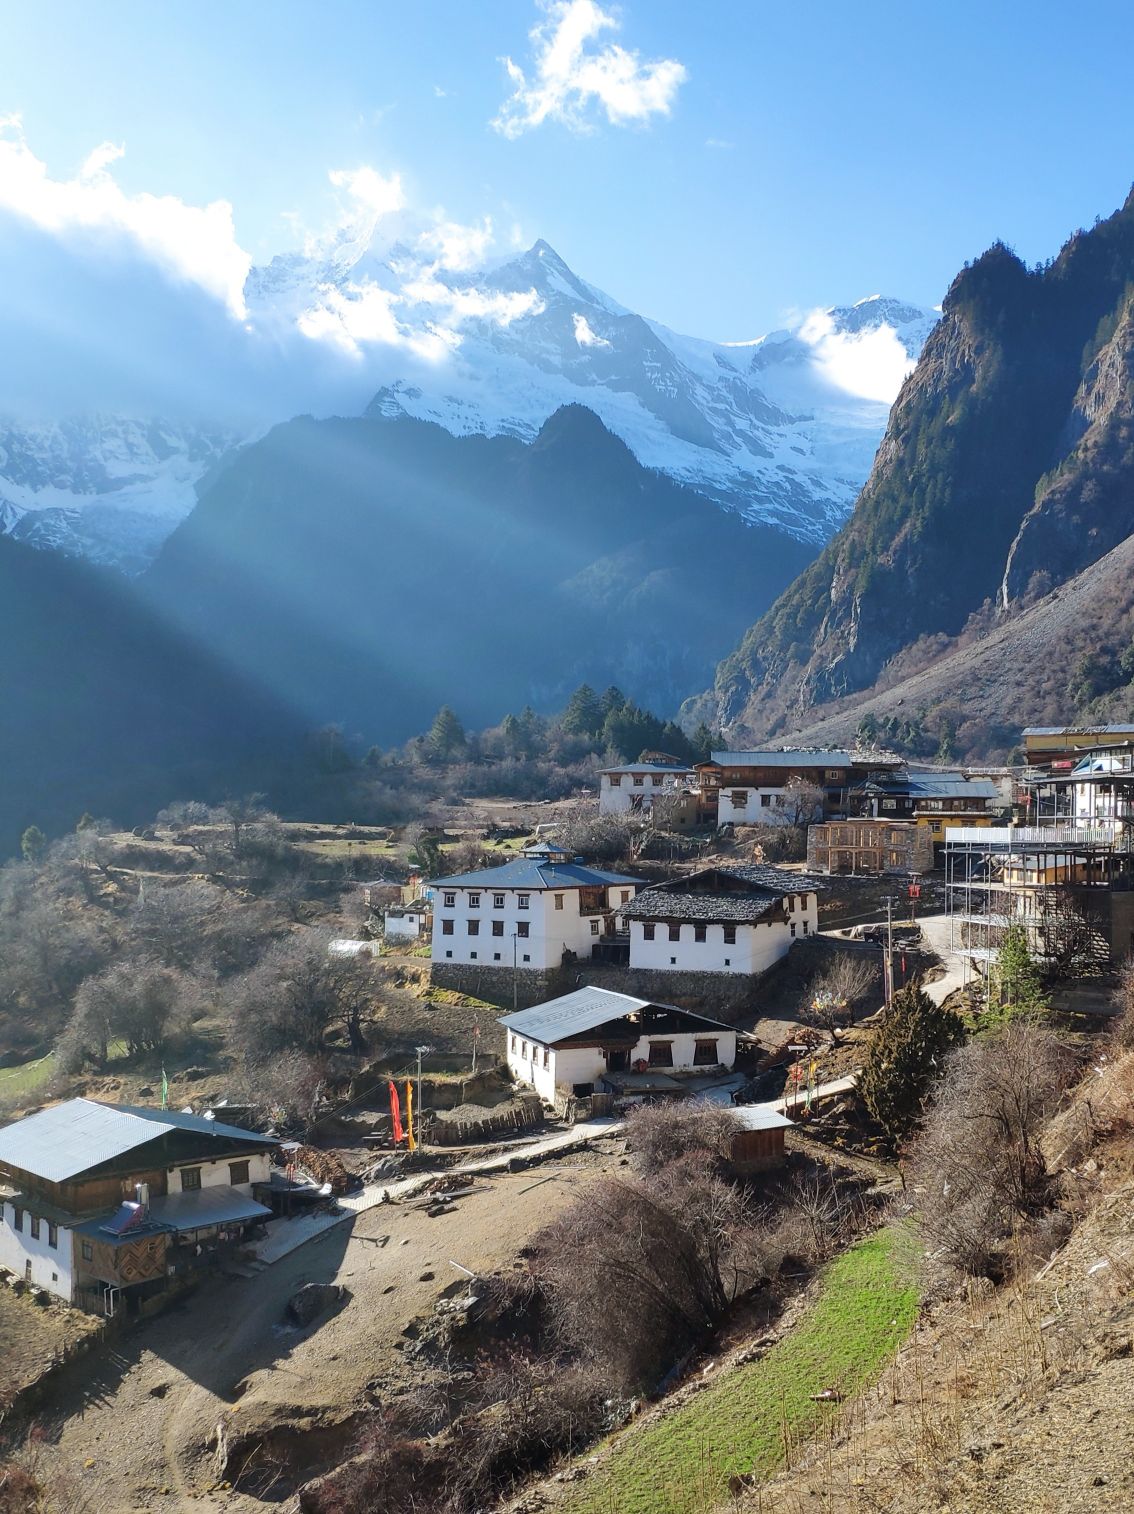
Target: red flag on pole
x,y
396,1114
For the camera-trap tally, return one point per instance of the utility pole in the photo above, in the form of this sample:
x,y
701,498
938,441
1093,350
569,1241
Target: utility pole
x,y
888,971
421,1051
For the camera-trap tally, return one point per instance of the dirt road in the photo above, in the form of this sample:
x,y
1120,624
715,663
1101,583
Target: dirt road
x,y
139,1420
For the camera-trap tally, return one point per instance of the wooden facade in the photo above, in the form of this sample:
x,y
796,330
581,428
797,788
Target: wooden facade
x,y
869,848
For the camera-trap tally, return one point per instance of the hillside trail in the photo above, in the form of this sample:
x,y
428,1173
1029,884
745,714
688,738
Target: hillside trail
x,y
137,1424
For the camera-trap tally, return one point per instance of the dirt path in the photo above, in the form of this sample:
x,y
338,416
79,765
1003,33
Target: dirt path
x,y
138,1421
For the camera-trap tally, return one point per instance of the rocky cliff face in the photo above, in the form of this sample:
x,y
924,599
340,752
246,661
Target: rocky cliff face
x,y
1007,466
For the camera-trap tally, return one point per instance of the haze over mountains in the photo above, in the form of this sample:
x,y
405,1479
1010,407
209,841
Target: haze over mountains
x,y
781,430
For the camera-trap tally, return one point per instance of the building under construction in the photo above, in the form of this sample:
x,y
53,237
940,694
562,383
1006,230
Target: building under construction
x,y
1070,887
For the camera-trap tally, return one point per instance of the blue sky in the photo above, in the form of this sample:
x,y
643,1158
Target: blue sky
x,y
775,157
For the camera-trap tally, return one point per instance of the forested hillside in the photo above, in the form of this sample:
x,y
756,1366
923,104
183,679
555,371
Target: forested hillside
x,y
369,570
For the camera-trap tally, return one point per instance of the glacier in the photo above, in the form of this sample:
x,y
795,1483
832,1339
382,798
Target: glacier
x,y
781,429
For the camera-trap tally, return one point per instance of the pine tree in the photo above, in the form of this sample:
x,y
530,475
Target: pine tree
x,y
32,844
905,1057
613,699
583,715
1017,977
446,738
703,741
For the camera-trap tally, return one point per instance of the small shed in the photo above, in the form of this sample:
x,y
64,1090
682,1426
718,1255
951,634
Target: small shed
x,y
759,1143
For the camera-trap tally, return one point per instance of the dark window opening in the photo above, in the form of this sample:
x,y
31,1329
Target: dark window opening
x,y
190,1179
238,1173
661,1054
705,1054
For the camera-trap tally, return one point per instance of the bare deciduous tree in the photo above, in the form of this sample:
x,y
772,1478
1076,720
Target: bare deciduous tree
x,y
978,1166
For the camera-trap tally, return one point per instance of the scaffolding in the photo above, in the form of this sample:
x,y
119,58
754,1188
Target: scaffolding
x,y
1056,881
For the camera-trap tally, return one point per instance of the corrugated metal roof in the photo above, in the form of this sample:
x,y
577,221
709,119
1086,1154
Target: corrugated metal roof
x,y
650,767
220,1205
582,1010
760,1117
789,759
1079,730
530,873
58,1144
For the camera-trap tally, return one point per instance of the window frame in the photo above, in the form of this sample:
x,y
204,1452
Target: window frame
x,y
193,1173
233,1169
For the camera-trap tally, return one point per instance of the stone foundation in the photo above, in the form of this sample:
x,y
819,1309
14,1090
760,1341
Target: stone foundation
x,y
727,997
497,985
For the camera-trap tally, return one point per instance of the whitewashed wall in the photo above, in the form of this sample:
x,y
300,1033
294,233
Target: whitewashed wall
x,y
756,948
586,1064
51,1266
551,929
215,1174
617,799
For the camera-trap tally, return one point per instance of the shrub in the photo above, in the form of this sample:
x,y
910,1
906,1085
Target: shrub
x,y
660,1134
978,1166
905,1057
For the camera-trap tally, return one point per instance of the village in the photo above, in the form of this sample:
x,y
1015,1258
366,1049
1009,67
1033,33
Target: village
x,y
246,1290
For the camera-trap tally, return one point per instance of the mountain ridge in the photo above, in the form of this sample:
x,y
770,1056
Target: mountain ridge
x,y
1006,469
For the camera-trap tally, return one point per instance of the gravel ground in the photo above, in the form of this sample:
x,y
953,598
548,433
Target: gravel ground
x,y
137,1421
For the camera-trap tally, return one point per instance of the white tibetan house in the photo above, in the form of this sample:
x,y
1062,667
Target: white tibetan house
x,y
526,914
739,920
595,1039
631,788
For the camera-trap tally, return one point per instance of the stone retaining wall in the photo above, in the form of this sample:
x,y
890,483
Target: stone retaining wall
x,y
496,985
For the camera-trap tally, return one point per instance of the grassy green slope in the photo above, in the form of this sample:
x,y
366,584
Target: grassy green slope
x,y
682,1462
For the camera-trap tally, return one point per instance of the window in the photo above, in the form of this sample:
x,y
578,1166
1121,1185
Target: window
x,y
765,801
639,781
705,1054
806,927
497,927
728,961
616,780
522,929
446,927
793,927
448,954
648,931
35,1227
624,896
472,927
700,932
86,1251
675,933
513,1043
559,901
661,1054
527,958
53,1236
238,1173
656,780
889,804
450,901
546,1057
472,956
779,801
833,775
730,935
474,901
523,901
524,1051
739,799
190,1179
498,901
594,927
496,956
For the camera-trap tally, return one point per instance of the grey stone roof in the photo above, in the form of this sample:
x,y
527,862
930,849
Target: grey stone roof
x,y
800,758
754,890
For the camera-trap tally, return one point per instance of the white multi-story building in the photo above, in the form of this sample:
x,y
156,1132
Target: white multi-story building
x,y
101,1203
722,920
632,788
526,914
571,1044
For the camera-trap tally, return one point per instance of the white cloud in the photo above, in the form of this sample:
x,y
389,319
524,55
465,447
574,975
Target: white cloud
x,y
455,246
569,74
370,191
720,144
364,315
193,243
871,364
500,307
584,335
439,93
